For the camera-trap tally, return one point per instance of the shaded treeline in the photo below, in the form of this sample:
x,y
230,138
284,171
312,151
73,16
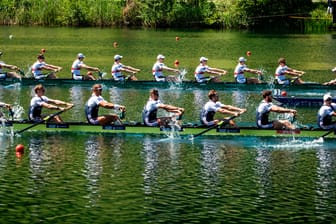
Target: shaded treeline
x,y
153,13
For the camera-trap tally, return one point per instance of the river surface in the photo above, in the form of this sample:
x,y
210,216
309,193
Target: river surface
x,y
84,178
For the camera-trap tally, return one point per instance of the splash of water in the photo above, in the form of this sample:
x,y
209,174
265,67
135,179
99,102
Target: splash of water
x,y
18,112
174,129
29,74
13,86
181,75
292,143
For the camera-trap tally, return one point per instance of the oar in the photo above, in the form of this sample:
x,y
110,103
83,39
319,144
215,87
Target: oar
x,y
11,113
214,126
42,121
324,135
21,72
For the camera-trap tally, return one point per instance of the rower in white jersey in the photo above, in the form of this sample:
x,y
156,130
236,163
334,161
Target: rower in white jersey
x,y
241,68
203,69
150,110
326,112
8,74
283,70
40,65
158,69
118,68
92,108
76,67
207,115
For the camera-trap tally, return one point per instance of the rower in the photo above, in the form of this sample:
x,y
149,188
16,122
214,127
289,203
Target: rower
x,y
158,68
283,70
40,100
8,74
326,112
213,105
331,82
149,113
118,67
40,65
241,68
203,68
92,108
76,67
264,109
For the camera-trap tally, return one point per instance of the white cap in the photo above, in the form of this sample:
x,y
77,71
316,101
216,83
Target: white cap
x,y
80,55
160,56
117,57
203,59
334,69
241,59
327,97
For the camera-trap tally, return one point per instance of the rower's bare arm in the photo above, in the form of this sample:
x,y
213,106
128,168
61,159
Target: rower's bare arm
x,y
254,71
219,70
294,72
12,67
171,69
90,68
132,69
227,111
171,108
282,110
55,68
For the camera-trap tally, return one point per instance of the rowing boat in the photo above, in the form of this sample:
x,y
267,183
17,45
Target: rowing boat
x,y
136,128
147,84
294,101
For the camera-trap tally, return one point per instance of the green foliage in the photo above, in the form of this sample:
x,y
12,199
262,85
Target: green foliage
x,y
155,13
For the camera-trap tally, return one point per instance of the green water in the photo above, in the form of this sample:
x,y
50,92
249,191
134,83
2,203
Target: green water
x,y
312,53
142,179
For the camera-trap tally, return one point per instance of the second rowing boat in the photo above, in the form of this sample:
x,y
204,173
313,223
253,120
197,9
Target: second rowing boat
x,y
186,130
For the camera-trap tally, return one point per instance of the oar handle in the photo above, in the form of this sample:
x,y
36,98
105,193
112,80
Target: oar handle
x,y
11,113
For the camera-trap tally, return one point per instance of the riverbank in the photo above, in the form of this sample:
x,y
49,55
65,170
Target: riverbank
x,y
231,14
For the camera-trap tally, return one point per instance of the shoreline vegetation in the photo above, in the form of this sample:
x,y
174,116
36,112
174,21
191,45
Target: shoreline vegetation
x,y
299,15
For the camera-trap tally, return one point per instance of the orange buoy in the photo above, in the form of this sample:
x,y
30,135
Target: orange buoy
x,y
283,93
19,148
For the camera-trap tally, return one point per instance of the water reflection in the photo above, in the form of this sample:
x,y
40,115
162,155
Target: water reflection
x,y
39,161
210,162
77,95
5,143
93,168
263,168
325,181
159,157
